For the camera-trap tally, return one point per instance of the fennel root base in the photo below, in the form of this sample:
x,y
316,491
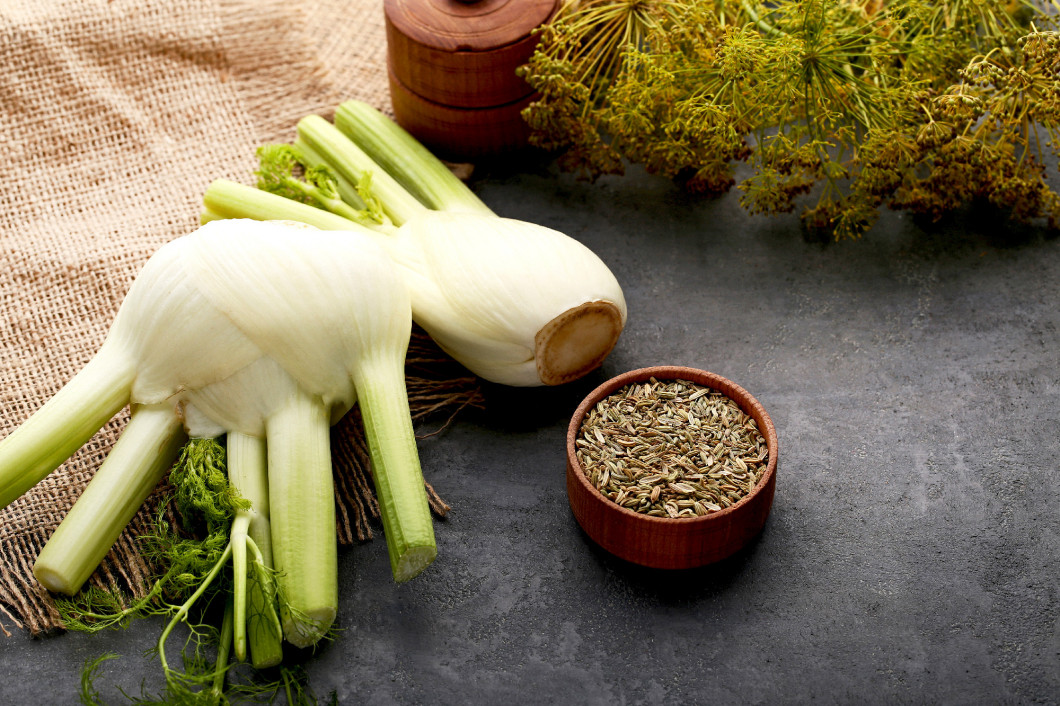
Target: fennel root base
x,y
576,341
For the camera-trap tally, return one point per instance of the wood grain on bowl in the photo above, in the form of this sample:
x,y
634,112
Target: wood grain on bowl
x,y
671,543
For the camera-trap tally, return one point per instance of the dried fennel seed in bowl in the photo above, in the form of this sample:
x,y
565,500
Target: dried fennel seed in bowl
x,y
671,448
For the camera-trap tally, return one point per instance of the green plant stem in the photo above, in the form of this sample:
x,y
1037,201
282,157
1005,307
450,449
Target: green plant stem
x,y
239,583
767,29
264,629
65,423
224,649
229,199
248,473
347,189
143,453
399,485
353,164
405,159
332,204
182,612
302,514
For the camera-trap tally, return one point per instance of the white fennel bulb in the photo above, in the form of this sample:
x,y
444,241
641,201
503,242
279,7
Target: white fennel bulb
x,y
514,302
256,329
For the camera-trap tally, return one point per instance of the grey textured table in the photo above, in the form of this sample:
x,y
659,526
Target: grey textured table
x,y
912,552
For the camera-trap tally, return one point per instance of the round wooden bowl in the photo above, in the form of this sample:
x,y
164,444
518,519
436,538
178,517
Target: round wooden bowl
x,y
671,543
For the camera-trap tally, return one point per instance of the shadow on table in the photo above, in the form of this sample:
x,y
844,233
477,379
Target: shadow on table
x,y
676,586
516,409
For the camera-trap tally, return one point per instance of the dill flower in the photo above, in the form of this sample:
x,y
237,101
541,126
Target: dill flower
x,y
839,107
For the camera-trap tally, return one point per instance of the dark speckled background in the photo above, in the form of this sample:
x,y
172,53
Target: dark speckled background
x,y
913,552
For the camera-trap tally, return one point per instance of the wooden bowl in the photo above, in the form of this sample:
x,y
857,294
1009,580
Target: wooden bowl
x,y
671,543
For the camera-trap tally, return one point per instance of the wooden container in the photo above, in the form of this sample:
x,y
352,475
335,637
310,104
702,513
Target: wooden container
x,y
671,543
452,73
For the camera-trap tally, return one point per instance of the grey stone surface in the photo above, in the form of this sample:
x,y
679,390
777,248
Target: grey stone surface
x,y
913,552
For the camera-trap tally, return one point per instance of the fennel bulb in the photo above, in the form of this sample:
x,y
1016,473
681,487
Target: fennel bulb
x,y
260,330
514,302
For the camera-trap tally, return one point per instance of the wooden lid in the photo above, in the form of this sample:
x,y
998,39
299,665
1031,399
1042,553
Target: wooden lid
x,y
473,25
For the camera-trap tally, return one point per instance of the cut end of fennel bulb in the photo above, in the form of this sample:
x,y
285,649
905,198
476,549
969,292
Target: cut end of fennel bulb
x,y
413,561
576,341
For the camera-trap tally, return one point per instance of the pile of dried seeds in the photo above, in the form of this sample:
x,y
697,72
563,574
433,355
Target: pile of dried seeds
x,y
671,448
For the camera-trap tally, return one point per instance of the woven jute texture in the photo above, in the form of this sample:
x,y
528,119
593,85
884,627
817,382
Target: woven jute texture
x,y
114,117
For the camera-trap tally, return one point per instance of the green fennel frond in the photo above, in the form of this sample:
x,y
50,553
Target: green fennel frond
x,y
203,496
89,694
206,504
373,206
283,170
278,173
193,553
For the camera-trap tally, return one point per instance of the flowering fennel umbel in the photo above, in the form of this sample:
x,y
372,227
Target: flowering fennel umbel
x,y
836,109
514,302
267,332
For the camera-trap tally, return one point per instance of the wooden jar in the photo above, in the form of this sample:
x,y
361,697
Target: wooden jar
x,y
452,73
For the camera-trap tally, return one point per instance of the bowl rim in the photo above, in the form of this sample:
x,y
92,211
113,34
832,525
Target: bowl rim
x,y
736,393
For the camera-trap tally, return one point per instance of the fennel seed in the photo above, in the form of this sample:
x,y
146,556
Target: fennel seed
x,y
671,449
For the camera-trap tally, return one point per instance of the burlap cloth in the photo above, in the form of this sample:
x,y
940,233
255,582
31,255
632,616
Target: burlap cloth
x,y
114,116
